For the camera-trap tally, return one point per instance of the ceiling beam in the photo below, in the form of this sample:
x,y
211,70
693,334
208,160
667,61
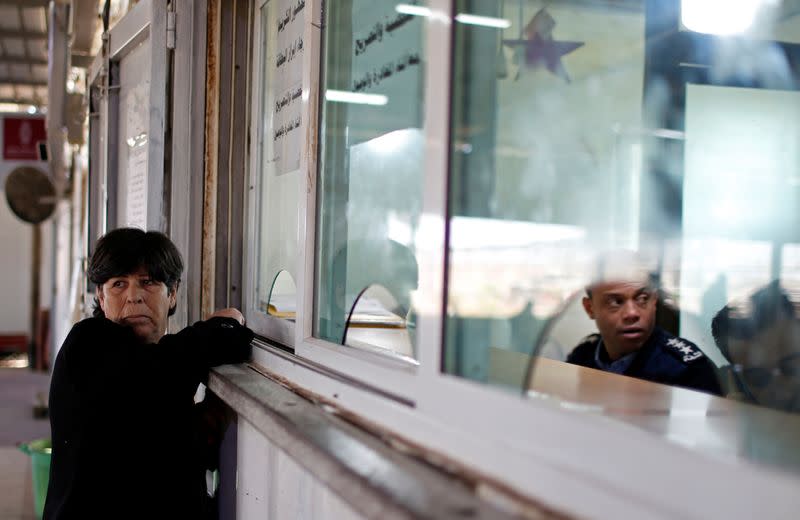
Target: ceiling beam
x,y
85,24
25,3
22,82
21,60
80,60
24,101
22,34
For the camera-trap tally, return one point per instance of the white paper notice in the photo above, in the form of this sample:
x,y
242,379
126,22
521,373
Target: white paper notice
x,y
136,141
283,64
386,60
137,187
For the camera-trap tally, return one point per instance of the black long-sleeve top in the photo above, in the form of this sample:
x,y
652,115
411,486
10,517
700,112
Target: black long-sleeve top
x,y
123,419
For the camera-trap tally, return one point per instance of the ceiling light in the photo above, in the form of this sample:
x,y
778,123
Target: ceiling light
x,y
415,10
721,17
485,21
342,96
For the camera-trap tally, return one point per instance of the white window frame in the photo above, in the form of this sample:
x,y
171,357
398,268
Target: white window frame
x,y
277,329
584,464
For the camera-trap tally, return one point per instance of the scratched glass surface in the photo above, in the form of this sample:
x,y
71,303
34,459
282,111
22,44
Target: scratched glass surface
x,y
641,144
370,175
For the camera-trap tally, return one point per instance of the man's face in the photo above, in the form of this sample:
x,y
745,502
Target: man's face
x,y
137,301
769,364
625,314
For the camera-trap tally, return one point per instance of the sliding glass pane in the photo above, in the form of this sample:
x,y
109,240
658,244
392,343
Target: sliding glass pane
x,y
280,135
624,200
369,193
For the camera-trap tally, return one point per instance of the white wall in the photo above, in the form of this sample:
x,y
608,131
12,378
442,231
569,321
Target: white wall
x,y
16,239
15,272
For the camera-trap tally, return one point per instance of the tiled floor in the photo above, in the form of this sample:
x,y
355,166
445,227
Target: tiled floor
x,y
16,498
19,390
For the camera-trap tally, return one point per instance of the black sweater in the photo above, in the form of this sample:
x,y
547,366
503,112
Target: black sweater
x,y
124,424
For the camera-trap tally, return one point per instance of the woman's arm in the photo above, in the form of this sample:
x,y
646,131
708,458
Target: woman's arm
x,y
98,351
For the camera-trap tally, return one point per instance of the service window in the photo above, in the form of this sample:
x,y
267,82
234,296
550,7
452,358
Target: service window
x,y
624,180
280,138
369,190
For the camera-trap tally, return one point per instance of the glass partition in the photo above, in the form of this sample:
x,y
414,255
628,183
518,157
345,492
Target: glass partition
x,y
280,137
546,169
624,202
369,191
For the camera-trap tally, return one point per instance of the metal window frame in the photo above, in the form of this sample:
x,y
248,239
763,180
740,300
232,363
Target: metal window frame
x,y
276,329
147,20
188,96
168,208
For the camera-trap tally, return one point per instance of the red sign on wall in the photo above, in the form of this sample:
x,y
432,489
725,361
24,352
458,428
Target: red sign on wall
x,y
21,138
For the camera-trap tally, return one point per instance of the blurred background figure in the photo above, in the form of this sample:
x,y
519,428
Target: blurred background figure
x,y
760,338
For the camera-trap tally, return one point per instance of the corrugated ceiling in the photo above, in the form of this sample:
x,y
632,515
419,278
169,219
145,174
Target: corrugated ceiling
x,y
23,52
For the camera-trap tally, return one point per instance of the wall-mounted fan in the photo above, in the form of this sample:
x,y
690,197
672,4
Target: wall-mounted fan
x,y
31,194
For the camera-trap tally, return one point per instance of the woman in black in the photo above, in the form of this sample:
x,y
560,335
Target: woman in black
x,y
126,440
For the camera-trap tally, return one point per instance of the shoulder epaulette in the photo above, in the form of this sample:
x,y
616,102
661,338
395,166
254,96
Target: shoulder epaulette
x,y
684,350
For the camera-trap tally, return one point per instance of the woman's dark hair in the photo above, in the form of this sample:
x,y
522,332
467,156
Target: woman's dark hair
x,y
124,250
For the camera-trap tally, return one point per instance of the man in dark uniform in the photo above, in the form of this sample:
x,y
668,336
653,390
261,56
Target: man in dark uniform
x,y
630,344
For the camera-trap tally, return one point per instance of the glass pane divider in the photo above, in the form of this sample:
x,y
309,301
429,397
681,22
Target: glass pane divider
x,y
431,235
309,164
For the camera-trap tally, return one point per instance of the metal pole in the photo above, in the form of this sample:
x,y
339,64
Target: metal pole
x,y
35,354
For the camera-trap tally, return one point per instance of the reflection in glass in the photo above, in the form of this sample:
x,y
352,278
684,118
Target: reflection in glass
x,y
758,19
369,194
282,302
377,319
622,300
584,129
760,338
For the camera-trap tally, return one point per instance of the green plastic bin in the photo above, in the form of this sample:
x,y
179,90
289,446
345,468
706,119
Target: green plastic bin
x,y
40,451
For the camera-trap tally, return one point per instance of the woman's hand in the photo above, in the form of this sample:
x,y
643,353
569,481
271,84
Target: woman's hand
x,y
230,312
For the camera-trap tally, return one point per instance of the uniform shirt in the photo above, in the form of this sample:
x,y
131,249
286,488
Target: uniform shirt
x,y
664,358
603,362
126,440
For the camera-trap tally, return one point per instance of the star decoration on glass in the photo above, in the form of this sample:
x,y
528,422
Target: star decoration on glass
x,y
541,50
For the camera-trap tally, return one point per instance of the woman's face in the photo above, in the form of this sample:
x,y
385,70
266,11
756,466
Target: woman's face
x,y
137,301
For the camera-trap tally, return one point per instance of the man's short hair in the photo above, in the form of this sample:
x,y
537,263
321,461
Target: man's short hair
x,y
124,250
622,265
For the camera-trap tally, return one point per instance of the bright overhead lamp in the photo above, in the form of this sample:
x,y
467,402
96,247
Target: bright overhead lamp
x,y
342,96
415,10
485,21
722,17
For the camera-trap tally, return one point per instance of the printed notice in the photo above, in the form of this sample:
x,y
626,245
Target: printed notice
x,y
137,120
386,56
283,74
136,211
